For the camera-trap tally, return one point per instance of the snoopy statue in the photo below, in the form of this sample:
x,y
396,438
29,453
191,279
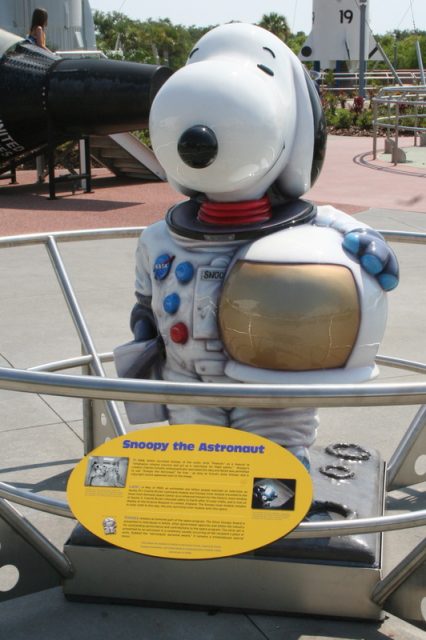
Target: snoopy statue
x,y
244,281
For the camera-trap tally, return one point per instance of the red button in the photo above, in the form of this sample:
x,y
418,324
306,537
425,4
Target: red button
x,y
179,333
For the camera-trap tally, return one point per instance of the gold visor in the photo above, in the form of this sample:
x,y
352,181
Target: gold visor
x,y
294,317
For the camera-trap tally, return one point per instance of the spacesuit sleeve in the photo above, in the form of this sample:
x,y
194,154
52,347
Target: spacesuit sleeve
x,y
329,216
143,284
366,244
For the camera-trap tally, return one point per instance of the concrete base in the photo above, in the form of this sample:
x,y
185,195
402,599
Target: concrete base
x,y
390,147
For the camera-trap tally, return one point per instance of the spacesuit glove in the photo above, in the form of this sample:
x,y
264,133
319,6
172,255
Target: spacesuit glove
x,y
142,321
375,255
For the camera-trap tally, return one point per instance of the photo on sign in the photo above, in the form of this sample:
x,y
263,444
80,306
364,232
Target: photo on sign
x,y
106,471
109,526
273,493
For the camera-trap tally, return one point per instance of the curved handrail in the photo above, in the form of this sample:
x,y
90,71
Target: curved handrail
x,y
79,235
304,530
108,356
44,379
199,393
28,499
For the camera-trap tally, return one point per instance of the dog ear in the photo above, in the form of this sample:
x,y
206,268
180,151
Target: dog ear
x,y
307,154
320,128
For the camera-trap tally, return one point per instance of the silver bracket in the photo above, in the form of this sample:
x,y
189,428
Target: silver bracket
x,y
408,464
24,568
98,426
402,591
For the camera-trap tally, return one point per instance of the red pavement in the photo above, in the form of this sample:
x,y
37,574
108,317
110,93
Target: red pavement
x,y
114,202
349,180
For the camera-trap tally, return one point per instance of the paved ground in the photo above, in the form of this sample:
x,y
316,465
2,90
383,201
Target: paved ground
x,y
41,436
349,180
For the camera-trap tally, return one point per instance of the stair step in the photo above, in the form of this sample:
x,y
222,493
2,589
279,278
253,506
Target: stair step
x,y
117,159
101,142
112,153
126,164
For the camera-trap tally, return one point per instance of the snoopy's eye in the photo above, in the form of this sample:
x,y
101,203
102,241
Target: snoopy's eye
x,y
192,52
269,51
266,69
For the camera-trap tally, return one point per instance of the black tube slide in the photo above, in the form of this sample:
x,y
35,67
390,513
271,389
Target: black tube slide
x,y
76,97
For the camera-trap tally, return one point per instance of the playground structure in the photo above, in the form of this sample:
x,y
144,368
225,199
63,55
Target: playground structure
x,y
80,567
405,112
88,99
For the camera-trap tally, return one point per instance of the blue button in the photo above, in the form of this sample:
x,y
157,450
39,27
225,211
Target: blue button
x,y
162,266
184,272
171,303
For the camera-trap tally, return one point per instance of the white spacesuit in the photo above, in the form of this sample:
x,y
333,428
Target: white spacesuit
x,y
185,308
244,282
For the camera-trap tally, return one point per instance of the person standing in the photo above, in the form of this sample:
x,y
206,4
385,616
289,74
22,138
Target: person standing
x,y
37,34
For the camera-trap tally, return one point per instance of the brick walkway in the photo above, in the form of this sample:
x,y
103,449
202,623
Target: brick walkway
x,y
350,180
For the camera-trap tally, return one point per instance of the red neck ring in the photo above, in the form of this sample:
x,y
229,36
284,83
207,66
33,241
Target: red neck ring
x,y
235,213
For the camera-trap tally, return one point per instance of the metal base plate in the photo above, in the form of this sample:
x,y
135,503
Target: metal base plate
x,y
327,576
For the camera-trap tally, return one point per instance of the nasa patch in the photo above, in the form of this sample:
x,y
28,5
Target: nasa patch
x,y
162,266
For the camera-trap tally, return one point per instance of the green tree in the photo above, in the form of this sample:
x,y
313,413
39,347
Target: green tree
x,y
152,41
296,41
119,36
160,37
276,24
400,47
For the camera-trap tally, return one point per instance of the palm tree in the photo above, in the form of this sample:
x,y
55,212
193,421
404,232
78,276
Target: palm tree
x,y
276,24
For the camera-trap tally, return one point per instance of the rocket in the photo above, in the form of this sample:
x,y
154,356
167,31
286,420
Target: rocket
x,y
42,92
335,34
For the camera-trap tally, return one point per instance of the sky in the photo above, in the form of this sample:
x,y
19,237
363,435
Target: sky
x,y
385,15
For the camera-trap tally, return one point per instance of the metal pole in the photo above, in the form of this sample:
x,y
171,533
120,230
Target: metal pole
x,y
36,539
82,329
83,162
362,8
420,61
399,574
395,147
29,499
389,63
374,129
401,466
70,236
51,160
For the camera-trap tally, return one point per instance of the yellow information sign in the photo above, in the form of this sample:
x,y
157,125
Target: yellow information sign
x,y
190,491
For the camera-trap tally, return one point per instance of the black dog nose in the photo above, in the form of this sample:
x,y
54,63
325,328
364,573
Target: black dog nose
x,y
198,146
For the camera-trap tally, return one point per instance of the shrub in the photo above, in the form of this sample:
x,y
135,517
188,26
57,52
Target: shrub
x,y
342,119
343,97
364,120
143,136
329,103
358,104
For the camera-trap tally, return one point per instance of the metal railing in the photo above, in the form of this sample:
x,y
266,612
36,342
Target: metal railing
x,y
374,80
82,53
45,379
405,112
